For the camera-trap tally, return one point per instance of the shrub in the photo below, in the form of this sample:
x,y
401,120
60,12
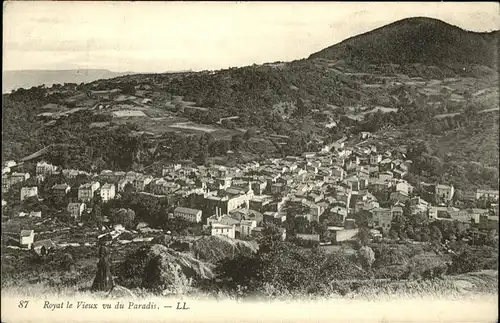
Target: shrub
x,y
472,260
366,256
66,261
305,243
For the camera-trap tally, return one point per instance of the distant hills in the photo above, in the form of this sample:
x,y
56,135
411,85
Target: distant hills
x,y
417,40
28,78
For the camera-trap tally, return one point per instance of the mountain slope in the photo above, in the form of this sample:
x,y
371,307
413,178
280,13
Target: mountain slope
x,y
418,40
27,78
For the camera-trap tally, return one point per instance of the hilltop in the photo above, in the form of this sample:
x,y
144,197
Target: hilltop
x,y
418,40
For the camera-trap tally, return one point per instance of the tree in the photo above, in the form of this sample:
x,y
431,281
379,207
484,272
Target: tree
x,y
366,256
271,236
398,225
176,225
211,117
96,212
129,188
124,217
407,209
229,124
57,202
436,235
301,225
363,236
202,157
207,140
302,109
419,220
465,262
242,271
250,133
363,218
66,261
418,149
236,141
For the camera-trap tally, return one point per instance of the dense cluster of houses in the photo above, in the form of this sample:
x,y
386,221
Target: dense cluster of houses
x,y
336,182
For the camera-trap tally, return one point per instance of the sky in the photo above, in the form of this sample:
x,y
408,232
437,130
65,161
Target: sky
x,y
175,36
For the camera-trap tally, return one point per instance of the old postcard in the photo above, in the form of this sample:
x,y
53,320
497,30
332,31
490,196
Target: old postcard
x,y
250,162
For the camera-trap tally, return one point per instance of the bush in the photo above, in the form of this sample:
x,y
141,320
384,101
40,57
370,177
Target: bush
x,y
305,243
436,272
366,256
388,255
250,133
473,260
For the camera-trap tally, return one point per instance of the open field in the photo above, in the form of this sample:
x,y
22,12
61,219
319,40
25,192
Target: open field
x,y
129,113
193,126
446,115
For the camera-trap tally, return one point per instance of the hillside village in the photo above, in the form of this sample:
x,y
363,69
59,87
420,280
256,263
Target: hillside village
x,y
333,190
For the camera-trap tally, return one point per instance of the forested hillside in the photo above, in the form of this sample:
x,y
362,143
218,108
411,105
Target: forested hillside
x,y
418,40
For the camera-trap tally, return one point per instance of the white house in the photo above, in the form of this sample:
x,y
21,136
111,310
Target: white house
x,y
404,187
444,192
365,135
10,163
223,230
26,239
35,214
108,192
309,154
28,192
491,195
44,168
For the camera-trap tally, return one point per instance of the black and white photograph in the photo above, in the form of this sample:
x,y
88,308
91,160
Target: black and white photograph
x,y
250,161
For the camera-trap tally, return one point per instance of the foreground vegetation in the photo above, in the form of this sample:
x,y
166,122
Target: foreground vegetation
x,y
277,269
